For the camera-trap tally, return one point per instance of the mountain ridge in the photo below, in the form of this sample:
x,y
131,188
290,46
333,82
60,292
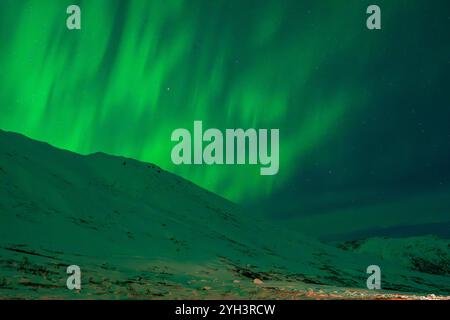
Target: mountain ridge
x,y
136,230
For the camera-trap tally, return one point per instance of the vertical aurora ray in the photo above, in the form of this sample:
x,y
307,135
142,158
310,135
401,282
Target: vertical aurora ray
x,y
140,69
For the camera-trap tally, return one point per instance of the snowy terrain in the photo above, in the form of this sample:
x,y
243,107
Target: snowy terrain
x,y
137,231
426,254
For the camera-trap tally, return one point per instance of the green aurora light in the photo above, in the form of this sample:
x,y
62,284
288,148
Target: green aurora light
x,y
140,69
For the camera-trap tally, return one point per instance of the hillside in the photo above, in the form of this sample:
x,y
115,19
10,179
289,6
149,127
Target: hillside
x,y
138,231
427,254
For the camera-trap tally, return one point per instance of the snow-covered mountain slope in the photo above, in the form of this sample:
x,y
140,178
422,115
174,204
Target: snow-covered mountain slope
x,y
138,231
427,254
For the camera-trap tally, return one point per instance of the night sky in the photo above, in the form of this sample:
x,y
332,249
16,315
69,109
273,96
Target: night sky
x,y
363,115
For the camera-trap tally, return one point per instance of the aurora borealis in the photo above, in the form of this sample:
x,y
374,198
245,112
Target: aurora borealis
x,y
363,115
